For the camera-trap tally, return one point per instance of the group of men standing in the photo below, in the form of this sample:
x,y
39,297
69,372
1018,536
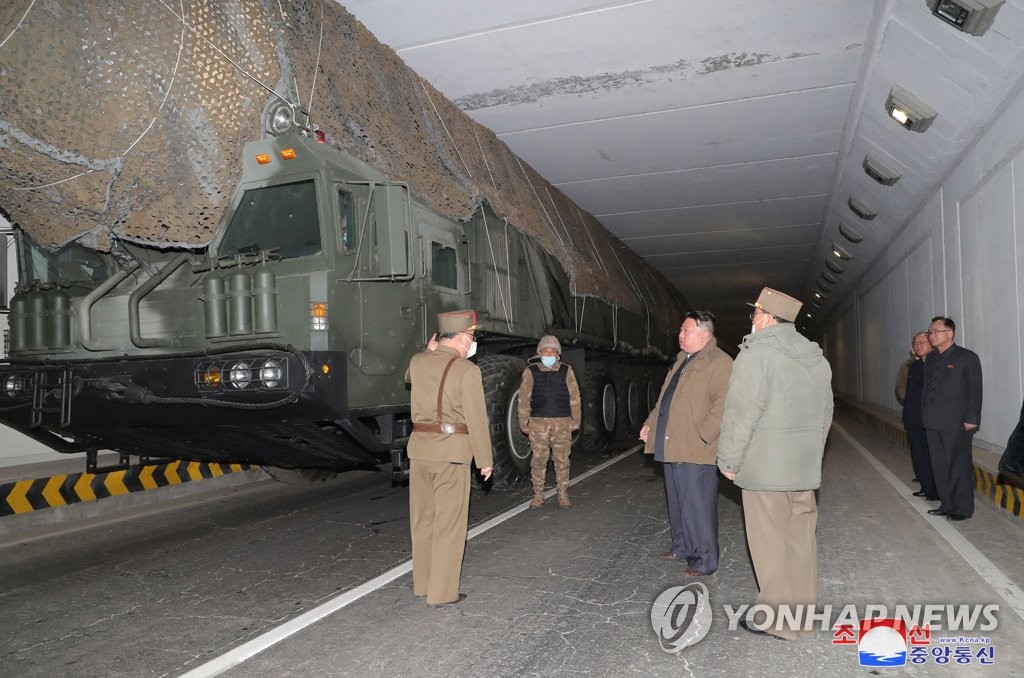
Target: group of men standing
x,y
762,421
941,391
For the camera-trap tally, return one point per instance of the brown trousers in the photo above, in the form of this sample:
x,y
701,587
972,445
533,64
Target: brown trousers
x,y
438,518
781,536
550,437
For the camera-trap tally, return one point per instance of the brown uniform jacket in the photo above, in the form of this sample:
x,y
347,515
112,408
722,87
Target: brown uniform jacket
x,y
901,379
695,417
462,403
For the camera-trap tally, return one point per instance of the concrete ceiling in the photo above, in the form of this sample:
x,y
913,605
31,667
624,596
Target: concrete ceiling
x,y
720,140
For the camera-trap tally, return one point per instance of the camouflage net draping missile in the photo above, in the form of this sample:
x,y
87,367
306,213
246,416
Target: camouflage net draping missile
x,y
129,121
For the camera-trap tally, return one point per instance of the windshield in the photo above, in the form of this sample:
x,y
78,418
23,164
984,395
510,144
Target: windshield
x,y
72,263
282,217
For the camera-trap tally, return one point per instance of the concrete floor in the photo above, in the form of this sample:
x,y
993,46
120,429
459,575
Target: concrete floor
x,y
551,592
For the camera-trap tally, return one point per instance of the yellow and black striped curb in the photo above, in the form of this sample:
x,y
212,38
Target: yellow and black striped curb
x,y
1008,497
25,496
987,483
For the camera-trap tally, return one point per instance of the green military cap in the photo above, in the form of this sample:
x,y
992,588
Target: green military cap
x,y
778,304
454,322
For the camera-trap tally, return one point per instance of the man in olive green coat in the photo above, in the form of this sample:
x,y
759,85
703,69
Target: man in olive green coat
x,y
450,430
777,416
682,432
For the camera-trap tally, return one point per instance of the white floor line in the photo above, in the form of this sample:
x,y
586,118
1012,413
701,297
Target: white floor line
x,y
260,643
1002,584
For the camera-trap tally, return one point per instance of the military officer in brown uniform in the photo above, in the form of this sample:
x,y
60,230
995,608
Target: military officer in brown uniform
x,y
549,411
450,430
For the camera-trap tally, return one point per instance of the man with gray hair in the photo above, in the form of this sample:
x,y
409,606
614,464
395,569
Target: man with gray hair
x,y
917,440
777,416
685,424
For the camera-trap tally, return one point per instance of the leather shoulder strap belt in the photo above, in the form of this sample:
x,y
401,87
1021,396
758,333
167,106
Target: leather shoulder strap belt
x,y
441,426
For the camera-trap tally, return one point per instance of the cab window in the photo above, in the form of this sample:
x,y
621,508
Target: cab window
x,y
444,265
282,217
347,217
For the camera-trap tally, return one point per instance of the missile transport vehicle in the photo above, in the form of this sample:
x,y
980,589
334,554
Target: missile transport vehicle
x,y
234,251
285,343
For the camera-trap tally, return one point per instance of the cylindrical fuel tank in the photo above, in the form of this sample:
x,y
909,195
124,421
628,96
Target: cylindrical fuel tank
x,y
239,303
19,322
59,324
264,294
37,307
215,305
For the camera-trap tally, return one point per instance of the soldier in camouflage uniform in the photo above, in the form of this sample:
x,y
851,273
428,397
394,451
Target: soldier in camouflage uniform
x,y
549,411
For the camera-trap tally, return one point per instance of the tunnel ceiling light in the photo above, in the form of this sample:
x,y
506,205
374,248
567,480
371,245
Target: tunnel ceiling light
x,y
839,252
970,16
834,266
860,209
879,171
908,110
850,233
830,277
820,294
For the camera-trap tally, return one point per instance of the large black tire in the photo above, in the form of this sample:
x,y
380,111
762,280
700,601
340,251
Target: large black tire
x,y
502,376
629,405
599,409
655,379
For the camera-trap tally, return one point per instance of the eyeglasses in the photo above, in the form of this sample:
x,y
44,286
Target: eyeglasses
x,y
939,331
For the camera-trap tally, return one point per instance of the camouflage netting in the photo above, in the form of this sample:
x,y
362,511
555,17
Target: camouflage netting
x,y
128,121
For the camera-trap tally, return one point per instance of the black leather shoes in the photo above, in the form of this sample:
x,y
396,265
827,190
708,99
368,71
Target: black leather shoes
x,y
919,493
936,512
932,499
434,606
956,516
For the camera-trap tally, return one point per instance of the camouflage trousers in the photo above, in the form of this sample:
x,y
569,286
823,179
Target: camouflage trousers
x,y
550,437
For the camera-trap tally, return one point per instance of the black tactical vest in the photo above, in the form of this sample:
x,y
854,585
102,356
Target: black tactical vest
x,y
550,392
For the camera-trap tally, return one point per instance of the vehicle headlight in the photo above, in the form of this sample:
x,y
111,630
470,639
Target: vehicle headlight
x,y
16,385
240,375
270,374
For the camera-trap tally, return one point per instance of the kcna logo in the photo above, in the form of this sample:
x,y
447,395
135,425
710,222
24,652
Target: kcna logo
x,y
681,616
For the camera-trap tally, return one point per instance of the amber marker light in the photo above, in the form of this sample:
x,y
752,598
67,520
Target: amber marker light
x,y
263,158
288,153
211,377
325,368
319,315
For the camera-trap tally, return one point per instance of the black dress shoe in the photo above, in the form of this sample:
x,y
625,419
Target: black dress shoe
x,y
919,493
932,499
956,516
936,512
434,606
752,629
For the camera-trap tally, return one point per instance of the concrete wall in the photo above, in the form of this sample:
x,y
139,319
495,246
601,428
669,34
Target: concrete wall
x,y
960,256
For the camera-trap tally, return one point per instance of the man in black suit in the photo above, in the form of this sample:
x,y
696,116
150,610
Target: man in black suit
x,y
951,412
917,440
